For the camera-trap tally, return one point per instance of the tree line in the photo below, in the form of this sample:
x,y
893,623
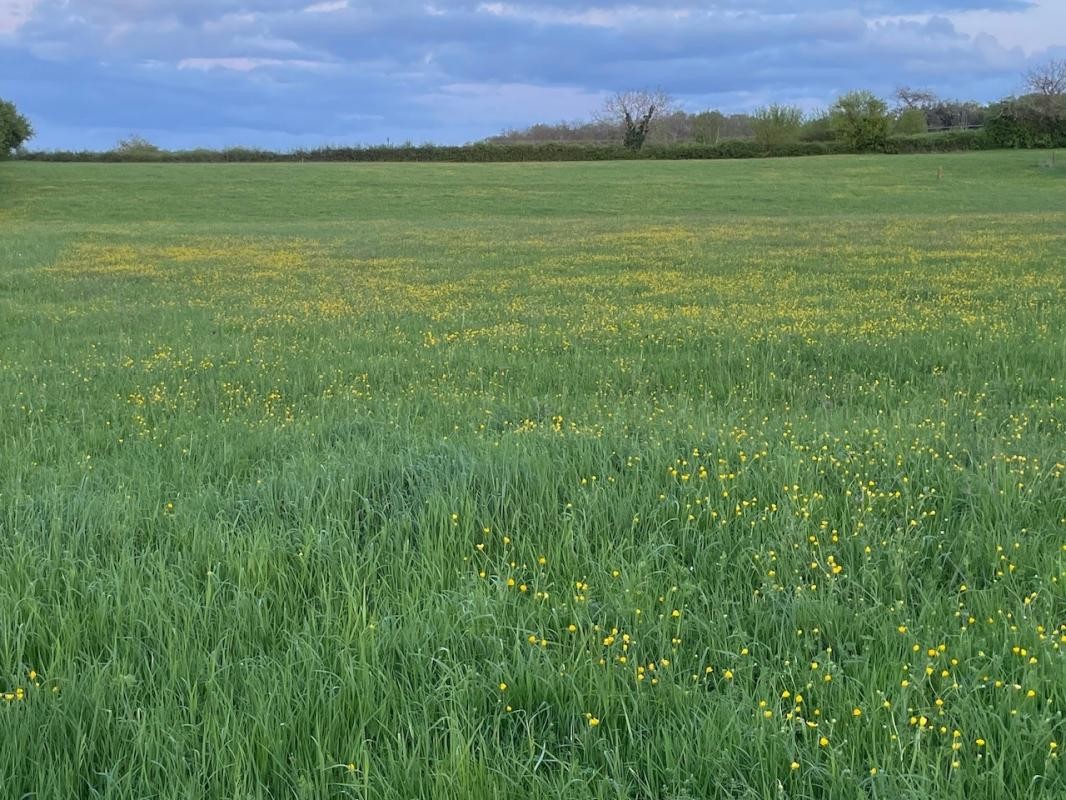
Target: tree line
x,y
770,124
860,119
645,122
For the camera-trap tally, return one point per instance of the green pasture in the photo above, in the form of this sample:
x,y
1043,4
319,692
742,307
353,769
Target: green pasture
x,y
608,480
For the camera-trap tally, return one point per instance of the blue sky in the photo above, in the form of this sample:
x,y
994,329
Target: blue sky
x,y
288,73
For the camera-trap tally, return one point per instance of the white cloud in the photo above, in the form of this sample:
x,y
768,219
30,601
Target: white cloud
x,y
327,7
591,17
1040,28
242,64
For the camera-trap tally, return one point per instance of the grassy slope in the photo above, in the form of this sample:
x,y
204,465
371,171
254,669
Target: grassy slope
x,y
274,439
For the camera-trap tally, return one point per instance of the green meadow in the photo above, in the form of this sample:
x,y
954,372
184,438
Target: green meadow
x,y
614,480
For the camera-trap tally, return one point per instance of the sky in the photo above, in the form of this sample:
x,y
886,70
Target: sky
x,y
297,73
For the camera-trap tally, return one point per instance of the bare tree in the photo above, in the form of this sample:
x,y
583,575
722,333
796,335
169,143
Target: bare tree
x,y
1048,79
908,98
634,110
1047,85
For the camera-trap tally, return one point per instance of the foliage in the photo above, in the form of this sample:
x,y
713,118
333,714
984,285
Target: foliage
x,y
15,129
818,127
948,114
861,119
712,127
777,125
595,132
488,153
768,462
910,122
137,147
1030,121
707,127
673,126
944,142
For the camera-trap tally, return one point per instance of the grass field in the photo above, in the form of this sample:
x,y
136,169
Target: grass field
x,y
622,480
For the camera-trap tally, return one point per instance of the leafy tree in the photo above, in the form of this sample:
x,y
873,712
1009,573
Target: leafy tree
x,y
15,129
707,127
634,111
818,128
861,119
945,114
776,125
911,121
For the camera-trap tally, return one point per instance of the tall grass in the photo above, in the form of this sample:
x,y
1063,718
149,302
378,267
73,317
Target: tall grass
x,y
629,480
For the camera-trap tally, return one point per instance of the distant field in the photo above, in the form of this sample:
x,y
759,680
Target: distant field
x,y
621,480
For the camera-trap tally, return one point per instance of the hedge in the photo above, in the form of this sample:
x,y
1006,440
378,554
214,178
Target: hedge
x,y
1020,123
484,153
466,153
946,142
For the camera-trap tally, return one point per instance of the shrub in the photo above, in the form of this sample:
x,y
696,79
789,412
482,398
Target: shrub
x,y
947,142
910,122
777,125
137,147
818,128
1028,122
861,119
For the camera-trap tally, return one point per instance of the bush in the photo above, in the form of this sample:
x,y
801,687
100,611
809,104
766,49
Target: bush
x,y
945,114
861,119
15,129
1028,122
776,125
818,128
947,142
910,122
137,147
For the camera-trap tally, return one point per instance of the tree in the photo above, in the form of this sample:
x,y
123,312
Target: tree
x,y
634,111
944,114
861,119
908,98
1048,79
672,127
818,128
707,127
1048,85
15,129
776,125
910,122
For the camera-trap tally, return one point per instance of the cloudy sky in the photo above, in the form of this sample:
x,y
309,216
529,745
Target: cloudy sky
x,y
286,73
